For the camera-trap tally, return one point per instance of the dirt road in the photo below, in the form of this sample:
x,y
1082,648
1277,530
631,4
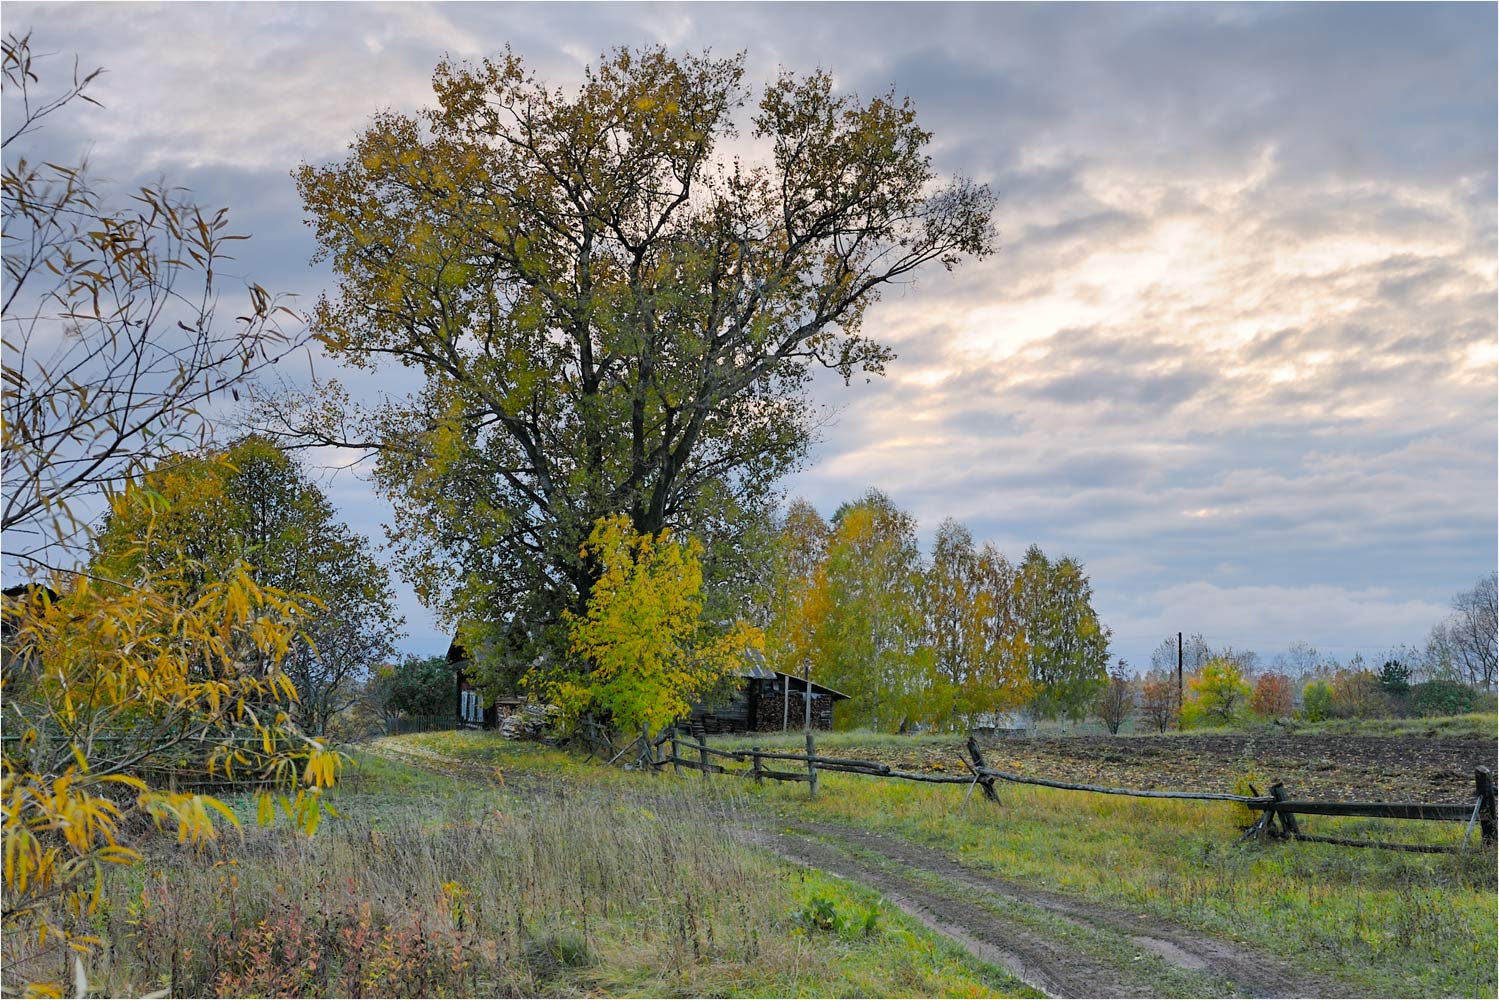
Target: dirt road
x,y
1063,947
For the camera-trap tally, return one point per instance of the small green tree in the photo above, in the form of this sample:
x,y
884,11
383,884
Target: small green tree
x,y
1218,694
418,685
647,653
1316,701
1395,677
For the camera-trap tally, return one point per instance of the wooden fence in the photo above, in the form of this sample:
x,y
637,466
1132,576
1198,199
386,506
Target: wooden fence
x,y
420,724
1278,811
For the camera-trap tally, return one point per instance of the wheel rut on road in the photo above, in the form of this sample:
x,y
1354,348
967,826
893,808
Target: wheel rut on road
x,y
995,918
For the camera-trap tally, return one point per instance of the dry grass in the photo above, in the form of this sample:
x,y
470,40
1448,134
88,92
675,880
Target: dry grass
x,y
428,886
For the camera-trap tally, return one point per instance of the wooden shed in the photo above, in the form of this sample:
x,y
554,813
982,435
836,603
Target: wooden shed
x,y
767,700
472,711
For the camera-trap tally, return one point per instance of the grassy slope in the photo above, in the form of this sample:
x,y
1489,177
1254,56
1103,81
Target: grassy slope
x,y
429,886
1395,924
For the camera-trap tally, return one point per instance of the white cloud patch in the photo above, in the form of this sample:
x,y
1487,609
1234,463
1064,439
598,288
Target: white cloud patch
x,y
1337,621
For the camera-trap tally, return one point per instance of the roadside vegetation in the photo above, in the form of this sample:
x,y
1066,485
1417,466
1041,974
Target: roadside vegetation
x,y
450,885
1391,924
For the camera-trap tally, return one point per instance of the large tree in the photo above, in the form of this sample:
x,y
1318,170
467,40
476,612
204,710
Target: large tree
x,y
870,631
1069,647
610,314
205,514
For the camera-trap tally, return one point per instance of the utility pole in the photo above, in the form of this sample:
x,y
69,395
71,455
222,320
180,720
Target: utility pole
x,y
1180,702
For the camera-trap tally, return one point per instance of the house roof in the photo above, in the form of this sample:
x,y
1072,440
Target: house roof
x,y
760,672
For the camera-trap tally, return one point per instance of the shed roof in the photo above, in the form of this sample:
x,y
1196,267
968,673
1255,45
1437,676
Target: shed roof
x,y
760,672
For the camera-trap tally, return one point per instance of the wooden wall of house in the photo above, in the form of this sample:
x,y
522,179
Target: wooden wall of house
x,y
732,716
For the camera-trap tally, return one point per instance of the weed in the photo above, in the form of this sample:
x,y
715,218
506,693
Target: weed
x,y
431,886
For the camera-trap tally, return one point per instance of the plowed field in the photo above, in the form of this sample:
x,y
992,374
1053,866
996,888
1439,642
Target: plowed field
x,y
1357,768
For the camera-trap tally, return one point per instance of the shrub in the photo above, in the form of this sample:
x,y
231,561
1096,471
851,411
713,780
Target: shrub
x,y
1316,701
1272,696
1158,699
821,913
1357,694
1217,694
1443,697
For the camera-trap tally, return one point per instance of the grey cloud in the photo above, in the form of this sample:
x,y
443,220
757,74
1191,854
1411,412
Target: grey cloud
x,y
1370,457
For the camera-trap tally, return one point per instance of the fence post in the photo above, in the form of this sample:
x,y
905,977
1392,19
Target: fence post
x,y
702,753
676,767
1483,782
986,782
1287,820
811,767
755,764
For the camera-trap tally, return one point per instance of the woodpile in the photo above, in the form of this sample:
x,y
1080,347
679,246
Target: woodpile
x,y
527,723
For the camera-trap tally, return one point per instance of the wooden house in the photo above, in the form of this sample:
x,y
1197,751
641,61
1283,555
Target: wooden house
x,y
766,700
470,707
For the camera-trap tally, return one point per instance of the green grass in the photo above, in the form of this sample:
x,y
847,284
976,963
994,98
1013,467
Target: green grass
x,y
1398,924
1477,725
427,885
1392,923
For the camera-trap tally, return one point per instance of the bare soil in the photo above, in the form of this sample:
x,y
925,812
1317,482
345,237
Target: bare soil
x,y
1345,768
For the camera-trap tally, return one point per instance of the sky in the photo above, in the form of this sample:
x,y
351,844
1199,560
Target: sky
x,y
1237,350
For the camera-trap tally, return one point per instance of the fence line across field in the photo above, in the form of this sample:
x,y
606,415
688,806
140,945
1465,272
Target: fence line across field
x,y
1277,810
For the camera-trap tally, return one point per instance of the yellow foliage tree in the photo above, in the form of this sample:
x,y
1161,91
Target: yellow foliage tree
x,y
1217,695
648,652
109,355
106,689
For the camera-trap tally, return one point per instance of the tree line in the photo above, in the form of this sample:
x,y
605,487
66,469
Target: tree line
x,y
947,641
1224,685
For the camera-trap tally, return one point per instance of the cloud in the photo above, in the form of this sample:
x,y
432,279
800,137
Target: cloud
x,y
1237,351
1336,620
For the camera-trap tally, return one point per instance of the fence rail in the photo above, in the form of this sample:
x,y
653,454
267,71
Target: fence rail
x,y
1277,818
